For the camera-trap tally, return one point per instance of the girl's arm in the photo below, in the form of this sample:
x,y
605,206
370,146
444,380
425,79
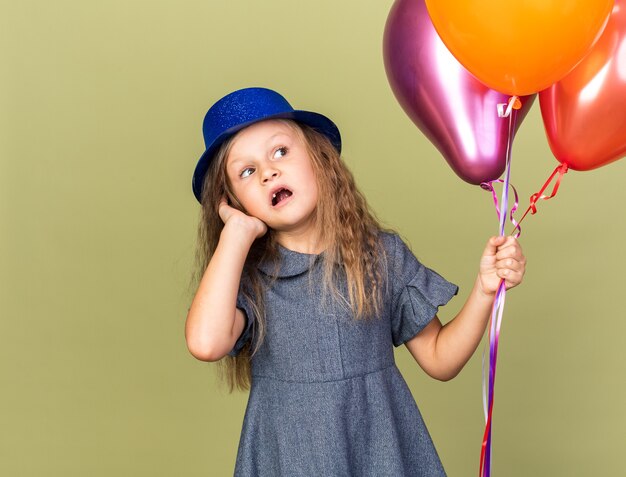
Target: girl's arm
x,y
442,351
213,322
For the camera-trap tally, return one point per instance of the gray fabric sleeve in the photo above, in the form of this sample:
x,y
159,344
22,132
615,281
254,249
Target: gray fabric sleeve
x,y
418,292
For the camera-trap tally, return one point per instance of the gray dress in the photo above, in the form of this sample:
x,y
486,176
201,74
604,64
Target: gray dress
x,y
327,398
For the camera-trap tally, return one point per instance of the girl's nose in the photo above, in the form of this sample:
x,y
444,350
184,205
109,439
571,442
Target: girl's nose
x,y
269,174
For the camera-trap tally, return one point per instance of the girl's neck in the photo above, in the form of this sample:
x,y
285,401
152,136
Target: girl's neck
x,y
309,243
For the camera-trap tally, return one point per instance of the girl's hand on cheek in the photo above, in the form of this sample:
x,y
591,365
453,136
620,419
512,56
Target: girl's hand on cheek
x,y
244,223
502,259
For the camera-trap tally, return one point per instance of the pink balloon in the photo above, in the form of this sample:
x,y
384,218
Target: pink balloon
x,y
453,109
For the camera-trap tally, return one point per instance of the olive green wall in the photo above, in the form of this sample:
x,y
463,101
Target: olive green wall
x,y
101,105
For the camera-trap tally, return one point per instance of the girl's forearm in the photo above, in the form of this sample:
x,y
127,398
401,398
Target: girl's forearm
x,y
211,317
459,338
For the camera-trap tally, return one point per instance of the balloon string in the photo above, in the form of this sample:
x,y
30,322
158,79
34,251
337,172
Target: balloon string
x,y
498,305
513,104
561,170
494,339
495,322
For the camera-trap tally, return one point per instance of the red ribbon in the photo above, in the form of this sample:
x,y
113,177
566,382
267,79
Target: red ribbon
x,y
532,208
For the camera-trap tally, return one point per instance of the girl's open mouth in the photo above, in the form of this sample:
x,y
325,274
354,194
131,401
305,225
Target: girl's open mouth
x,y
280,195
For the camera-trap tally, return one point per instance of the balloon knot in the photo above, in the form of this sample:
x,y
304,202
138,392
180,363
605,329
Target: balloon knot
x,y
533,200
504,109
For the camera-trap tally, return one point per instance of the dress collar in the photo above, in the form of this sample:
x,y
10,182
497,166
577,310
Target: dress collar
x,y
291,263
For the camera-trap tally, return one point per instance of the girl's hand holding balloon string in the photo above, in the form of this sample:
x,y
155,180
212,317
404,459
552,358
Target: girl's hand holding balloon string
x,y
443,350
502,259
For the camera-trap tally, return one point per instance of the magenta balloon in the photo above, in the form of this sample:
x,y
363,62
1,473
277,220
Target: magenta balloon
x,y
453,109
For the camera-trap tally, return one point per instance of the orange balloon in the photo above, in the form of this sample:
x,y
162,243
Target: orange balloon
x,y
519,47
585,113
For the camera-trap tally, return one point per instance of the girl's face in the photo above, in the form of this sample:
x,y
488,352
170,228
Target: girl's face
x,y
271,174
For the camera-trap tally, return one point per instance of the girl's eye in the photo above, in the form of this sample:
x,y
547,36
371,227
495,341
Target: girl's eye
x,y
280,152
246,172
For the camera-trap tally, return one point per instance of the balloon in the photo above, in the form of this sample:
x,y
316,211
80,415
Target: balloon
x,y
585,113
453,109
519,47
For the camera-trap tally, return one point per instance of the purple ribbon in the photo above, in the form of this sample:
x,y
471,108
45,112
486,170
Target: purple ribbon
x,y
499,300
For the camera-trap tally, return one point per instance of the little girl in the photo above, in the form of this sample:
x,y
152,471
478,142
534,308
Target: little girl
x,y
303,294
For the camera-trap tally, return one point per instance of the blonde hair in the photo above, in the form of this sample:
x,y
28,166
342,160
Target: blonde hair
x,y
350,231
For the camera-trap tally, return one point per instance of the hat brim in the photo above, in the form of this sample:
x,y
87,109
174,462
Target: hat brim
x,y
317,121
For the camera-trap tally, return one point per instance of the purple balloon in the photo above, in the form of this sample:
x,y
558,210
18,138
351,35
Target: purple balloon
x,y
451,107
